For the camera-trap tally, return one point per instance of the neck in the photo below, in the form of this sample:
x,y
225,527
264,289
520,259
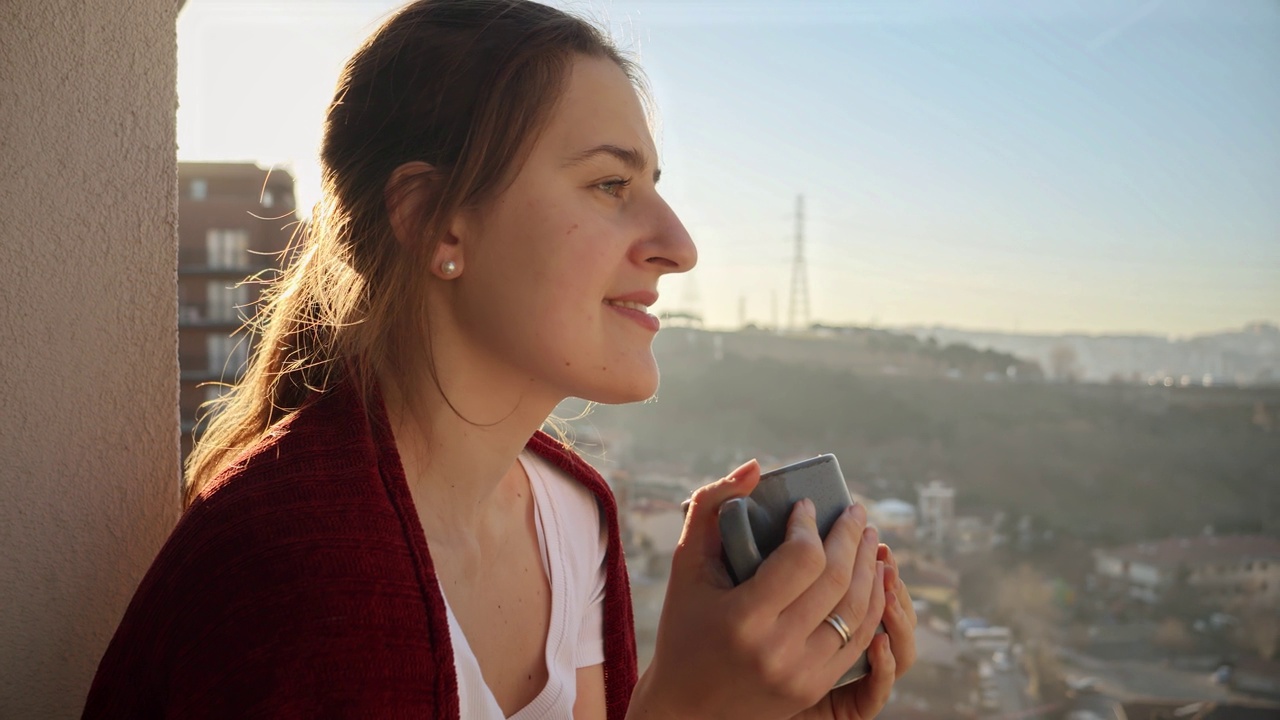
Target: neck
x,y
459,454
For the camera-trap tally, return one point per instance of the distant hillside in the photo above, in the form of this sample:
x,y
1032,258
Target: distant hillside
x,y
1107,462
1246,357
859,350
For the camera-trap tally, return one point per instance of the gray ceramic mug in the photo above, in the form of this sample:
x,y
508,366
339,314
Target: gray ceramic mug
x,y
752,527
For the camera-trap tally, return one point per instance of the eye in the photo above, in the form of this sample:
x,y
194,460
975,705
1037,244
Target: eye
x,y
613,187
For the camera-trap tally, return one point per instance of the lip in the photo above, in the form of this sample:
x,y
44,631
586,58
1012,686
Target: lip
x,y
644,297
643,319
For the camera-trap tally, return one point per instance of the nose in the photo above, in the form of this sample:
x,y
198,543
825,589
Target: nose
x,y
668,246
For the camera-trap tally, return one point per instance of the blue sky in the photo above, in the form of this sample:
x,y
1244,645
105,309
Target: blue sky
x,y
1088,165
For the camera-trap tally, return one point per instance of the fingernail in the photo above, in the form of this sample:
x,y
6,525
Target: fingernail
x,y
880,570
870,536
741,471
809,508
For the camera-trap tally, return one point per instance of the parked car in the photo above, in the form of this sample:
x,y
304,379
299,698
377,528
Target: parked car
x,y
1000,659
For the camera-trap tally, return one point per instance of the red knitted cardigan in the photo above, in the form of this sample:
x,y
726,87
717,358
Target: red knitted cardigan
x,y
300,584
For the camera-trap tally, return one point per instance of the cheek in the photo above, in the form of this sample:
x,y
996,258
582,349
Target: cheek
x,y
575,278
570,305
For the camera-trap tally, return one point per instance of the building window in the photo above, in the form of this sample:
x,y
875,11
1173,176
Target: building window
x,y
227,355
224,303
199,189
213,391
227,249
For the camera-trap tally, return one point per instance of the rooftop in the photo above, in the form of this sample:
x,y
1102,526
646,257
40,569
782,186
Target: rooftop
x,y
228,169
1199,549
1166,710
896,507
916,574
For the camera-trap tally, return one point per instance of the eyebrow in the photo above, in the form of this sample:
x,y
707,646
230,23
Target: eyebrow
x,y
633,158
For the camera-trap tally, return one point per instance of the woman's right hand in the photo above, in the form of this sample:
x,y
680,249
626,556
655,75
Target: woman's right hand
x,y
762,649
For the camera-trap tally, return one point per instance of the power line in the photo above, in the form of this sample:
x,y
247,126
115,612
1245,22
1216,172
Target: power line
x,y
799,309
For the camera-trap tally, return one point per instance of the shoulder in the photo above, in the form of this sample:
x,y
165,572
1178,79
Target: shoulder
x,y
320,460
573,502
294,554
577,531
306,494
559,456
310,503
618,631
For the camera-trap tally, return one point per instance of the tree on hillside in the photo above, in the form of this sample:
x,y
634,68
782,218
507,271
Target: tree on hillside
x,y
1024,600
1172,635
1182,599
1106,465
1259,632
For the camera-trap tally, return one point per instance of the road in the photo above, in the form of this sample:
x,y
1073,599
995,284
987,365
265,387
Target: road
x,y
1009,688
1134,679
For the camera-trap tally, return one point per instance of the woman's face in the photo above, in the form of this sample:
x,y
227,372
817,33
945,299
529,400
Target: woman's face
x,y
556,272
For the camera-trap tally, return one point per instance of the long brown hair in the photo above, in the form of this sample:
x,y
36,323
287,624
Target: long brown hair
x,y
461,85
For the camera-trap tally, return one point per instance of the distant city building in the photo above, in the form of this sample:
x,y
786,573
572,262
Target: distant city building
x,y
931,582
654,526
937,511
1156,709
1231,572
234,221
895,519
1261,418
972,535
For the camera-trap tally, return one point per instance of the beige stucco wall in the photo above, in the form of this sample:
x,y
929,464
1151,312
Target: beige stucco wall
x,y
88,336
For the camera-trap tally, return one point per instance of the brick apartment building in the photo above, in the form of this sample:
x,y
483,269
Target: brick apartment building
x,y
234,221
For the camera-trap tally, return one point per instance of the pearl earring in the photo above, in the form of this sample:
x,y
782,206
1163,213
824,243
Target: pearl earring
x,y
449,267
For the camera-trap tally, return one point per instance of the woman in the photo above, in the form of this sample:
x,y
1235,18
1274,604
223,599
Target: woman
x,y
375,525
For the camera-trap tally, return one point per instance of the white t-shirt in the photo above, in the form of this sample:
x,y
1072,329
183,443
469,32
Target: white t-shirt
x,y
572,540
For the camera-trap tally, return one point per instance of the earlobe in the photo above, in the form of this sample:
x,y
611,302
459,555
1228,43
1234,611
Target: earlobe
x,y
446,262
449,251
405,195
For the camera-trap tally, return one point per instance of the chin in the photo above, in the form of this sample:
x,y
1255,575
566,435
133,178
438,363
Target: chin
x,y
636,385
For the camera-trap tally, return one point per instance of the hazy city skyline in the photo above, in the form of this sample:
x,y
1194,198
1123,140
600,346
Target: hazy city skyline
x,y
1086,166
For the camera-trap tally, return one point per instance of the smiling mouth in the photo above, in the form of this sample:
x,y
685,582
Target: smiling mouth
x,y
637,312
637,306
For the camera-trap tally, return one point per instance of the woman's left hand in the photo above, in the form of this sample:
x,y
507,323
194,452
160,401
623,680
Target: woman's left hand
x,y
891,655
899,613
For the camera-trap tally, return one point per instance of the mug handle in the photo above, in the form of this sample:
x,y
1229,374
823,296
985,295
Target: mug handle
x,y
741,553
